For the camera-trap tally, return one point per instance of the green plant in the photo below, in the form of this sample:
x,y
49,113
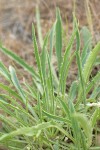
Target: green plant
x,y
42,115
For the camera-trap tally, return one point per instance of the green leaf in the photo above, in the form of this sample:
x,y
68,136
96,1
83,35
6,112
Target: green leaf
x,y
95,92
64,107
37,56
64,74
39,27
43,56
87,41
20,91
90,62
20,61
7,121
33,131
65,63
38,60
51,86
79,63
94,117
58,38
73,91
57,118
4,71
94,80
86,37
86,125
52,34
10,91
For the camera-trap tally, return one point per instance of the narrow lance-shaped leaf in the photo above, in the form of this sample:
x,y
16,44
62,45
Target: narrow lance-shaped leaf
x,y
33,131
65,62
90,62
10,91
74,122
39,27
58,38
95,117
20,61
65,75
64,107
37,54
89,86
51,88
87,41
57,118
7,121
52,34
73,91
10,110
86,125
44,56
38,60
85,52
39,108
79,63
4,71
19,89
96,92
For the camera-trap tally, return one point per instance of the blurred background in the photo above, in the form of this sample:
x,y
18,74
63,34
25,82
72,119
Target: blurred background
x,y
16,17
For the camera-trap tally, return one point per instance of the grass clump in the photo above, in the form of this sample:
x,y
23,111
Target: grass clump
x,y
42,115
